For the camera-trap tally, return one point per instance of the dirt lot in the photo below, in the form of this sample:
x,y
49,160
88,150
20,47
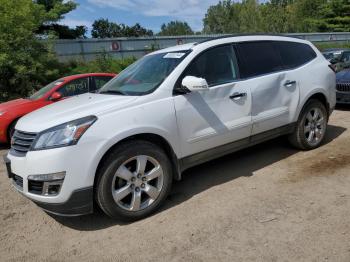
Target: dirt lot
x,y
267,203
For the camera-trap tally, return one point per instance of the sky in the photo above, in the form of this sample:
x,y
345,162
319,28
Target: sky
x,y
151,14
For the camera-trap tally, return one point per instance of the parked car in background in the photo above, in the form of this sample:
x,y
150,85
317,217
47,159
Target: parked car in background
x,y
175,108
332,53
343,87
341,62
62,88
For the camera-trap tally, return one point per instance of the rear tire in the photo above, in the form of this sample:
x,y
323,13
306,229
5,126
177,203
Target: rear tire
x,y
311,126
133,181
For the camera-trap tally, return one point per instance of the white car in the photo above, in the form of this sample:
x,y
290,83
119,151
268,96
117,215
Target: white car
x,y
175,108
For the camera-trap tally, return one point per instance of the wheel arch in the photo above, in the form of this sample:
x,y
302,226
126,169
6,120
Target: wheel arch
x,y
153,138
317,95
322,98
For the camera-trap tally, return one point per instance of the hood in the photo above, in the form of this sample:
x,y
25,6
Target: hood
x,y
71,109
7,106
343,76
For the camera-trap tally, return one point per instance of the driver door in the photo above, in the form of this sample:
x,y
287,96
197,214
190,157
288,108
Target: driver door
x,y
220,115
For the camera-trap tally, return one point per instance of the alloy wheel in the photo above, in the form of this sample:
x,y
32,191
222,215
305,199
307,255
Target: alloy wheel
x,y
314,126
137,183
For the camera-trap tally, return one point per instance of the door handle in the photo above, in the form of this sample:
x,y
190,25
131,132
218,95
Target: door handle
x,y
289,83
237,96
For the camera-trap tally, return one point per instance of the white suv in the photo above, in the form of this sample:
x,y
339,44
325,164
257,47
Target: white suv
x,y
175,108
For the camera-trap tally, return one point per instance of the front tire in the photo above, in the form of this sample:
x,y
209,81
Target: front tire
x,y
311,126
133,181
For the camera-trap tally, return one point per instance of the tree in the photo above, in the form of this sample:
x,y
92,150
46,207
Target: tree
x,y
175,28
335,16
278,16
249,16
54,12
222,18
56,9
307,15
103,28
65,32
233,17
25,62
137,30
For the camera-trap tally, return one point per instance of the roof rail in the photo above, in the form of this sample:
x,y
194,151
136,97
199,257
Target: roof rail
x,y
253,34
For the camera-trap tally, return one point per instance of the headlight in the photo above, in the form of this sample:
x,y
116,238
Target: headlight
x,y
2,112
63,135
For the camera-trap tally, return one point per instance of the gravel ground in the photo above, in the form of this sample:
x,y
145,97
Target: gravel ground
x,y
266,203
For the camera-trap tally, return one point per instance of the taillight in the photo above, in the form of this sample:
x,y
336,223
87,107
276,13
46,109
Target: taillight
x,y
333,67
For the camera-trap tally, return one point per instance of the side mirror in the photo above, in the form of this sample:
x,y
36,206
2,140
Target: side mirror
x,y
55,96
193,83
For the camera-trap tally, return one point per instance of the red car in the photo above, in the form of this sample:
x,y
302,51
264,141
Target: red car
x,y
62,88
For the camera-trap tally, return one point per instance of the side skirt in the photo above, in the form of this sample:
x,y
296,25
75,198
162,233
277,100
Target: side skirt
x,y
220,151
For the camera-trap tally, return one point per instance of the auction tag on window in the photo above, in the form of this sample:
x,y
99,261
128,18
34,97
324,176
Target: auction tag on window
x,y
174,55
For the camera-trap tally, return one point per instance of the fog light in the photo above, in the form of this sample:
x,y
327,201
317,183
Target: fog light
x,y
48,177
47,185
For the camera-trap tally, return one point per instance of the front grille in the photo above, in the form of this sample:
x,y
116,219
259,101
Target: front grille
x,y
21,142
343,87
18,181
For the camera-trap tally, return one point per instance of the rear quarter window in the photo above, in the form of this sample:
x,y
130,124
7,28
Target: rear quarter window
x,y
294,54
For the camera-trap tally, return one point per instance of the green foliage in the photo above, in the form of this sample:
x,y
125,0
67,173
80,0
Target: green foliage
x,y
233,17
54,12
25,62
103,28
104,63
175,28
278,16
323,46
335,16
63,31
56,9
222,18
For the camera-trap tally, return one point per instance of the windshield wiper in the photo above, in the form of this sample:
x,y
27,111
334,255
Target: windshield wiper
x,y
114,92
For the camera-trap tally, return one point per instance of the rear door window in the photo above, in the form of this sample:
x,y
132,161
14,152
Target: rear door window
x,y
75,87
98,82
294,54
217,65
258,58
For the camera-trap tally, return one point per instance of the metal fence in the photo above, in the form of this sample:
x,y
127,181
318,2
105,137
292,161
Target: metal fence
x,y
87,49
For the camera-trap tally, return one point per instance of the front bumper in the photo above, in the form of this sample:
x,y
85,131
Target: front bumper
x,y
343,97
76,193
79,203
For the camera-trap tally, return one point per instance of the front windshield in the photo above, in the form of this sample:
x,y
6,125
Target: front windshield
x,y
43,91
145,75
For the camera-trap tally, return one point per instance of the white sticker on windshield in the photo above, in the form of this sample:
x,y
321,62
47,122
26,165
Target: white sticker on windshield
x,y
174,55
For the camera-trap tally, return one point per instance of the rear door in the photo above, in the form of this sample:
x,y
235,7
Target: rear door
x,y
275,91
